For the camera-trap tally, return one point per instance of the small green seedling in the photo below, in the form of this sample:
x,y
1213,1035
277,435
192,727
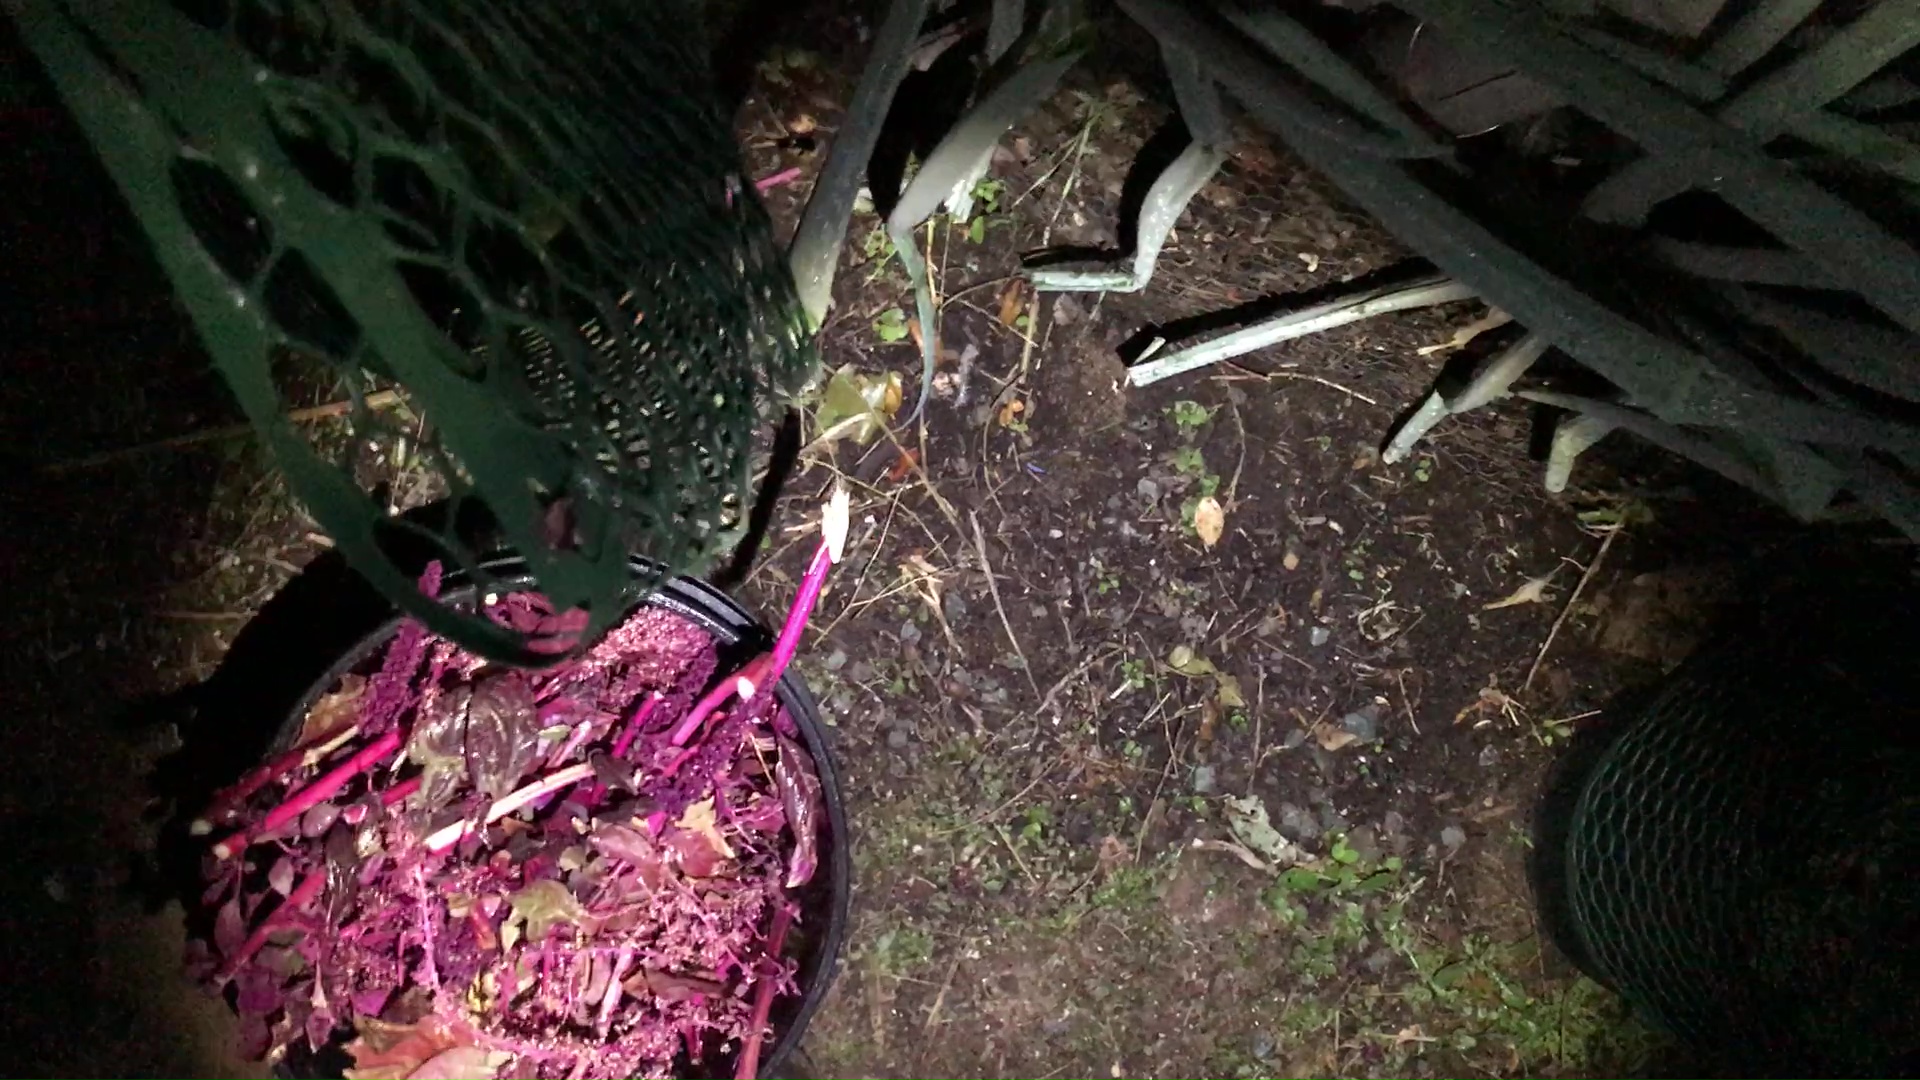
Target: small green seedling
x,y
1190,416
891,325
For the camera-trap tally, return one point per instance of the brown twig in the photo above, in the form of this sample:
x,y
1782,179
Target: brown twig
x,y
1303,376
993,587
379,399
1568,610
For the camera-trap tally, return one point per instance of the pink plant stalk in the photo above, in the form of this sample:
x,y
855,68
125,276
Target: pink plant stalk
x,y
784,176
508,803
834,523
749,1066
302,895
625,740
310,796
226,805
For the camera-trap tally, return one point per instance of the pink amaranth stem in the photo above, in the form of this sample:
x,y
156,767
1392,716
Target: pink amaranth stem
x,y
795,627
702,709
784,176
640,715
507,804
400,791
226,805
310,796
756,675
302,895
749,1066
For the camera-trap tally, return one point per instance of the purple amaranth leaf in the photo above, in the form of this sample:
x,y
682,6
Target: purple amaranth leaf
x,y
438,745
502,735
800,796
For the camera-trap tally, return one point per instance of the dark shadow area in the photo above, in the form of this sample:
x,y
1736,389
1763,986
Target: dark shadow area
x,y
744,33
97,358
925,108
1735,847
780,462
1158,152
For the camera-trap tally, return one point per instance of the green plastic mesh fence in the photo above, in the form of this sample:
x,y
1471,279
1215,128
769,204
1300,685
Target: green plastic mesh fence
x,y
530,217
1743,863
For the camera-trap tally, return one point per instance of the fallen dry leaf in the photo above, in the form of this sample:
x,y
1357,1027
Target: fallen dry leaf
x,y
913,331
902,465
699,818
1189,663
1010,412
1532,591
386,1051
1209,520
1412,1034
1491,699
1247,820
1012,299
1228,847
1333,736
856,405
1493,319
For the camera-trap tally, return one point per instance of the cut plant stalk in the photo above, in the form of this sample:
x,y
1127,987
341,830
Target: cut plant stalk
x,y
507,804
749,1065
302,895
310,796
765,670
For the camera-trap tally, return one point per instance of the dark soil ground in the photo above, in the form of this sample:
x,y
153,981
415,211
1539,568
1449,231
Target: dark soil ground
x,y
1056,709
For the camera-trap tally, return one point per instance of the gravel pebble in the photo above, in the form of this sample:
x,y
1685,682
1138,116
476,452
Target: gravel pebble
x,y
1203,780
1318,636
1362,724
1297,823
897,738
1453,836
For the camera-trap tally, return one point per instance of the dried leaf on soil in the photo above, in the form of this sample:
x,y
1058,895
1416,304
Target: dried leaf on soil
x,y
1010,412
1209,520
1189,663
1491,699
1227,691
1247,819
1532,591
1012,299
1333,736
856,405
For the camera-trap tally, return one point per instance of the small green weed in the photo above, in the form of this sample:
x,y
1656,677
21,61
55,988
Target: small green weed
x,y
900,949
891,325
1188,461
1190,416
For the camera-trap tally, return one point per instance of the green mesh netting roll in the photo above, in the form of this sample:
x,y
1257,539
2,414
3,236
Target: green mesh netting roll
x,y
1742,863
528,216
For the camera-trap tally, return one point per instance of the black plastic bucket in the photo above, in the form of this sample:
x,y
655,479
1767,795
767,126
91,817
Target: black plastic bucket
x,y
739,637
